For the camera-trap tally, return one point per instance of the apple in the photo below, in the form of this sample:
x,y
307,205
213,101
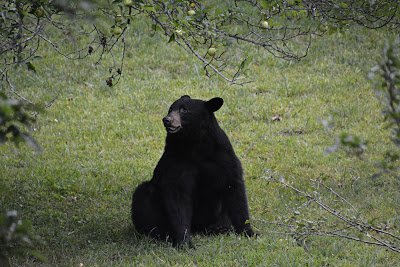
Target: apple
x,y
117,30
323,28
119,18
128,3
191,12
39,12
264,24
179,32
211,51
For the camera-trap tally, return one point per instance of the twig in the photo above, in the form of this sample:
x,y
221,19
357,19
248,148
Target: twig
x,y
353,224
210,65
12,91
52,101
336,194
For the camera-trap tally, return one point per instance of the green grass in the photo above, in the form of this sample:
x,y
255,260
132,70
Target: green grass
x,y
99,143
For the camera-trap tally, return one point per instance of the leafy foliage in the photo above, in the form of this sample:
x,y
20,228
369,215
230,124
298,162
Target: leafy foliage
x,y
16,238
386,77
13,114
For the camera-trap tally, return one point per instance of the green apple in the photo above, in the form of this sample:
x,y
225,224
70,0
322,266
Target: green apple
x,y
128,3
264,24
117,30
191,12
323,28
119,18
211,51
39,12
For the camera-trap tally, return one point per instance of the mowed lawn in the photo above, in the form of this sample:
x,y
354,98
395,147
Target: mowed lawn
x,y
98,143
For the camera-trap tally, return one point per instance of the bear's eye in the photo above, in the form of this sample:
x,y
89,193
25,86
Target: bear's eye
x,y
182,110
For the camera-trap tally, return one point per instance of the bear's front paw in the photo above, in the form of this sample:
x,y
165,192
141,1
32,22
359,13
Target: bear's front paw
x,y
182,240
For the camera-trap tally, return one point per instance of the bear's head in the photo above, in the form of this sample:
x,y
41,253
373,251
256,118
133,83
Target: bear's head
x,y
189,117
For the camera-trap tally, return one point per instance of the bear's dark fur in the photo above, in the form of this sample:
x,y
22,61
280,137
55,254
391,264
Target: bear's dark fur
x,y
198,183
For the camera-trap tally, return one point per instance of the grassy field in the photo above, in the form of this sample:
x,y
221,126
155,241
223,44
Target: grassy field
x,y
99,143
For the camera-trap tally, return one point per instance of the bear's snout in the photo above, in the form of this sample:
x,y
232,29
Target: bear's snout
x,y
167,121
172,122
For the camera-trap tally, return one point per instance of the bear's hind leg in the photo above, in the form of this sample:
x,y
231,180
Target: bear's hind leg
x,y
147,214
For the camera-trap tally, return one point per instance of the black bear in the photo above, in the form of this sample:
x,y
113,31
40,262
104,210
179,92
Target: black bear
x,y
197,185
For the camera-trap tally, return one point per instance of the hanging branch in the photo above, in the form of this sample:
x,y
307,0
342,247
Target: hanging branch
x,y
235,28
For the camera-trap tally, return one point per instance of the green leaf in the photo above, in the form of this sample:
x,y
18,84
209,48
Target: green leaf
x,y
3,15
23,12
31,67
241,66
172,38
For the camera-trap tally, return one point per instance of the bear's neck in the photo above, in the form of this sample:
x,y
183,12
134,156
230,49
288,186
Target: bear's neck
x,y
205,143
189,141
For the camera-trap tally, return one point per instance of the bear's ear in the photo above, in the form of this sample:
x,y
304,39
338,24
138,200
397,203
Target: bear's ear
x,y
185,96
214,104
